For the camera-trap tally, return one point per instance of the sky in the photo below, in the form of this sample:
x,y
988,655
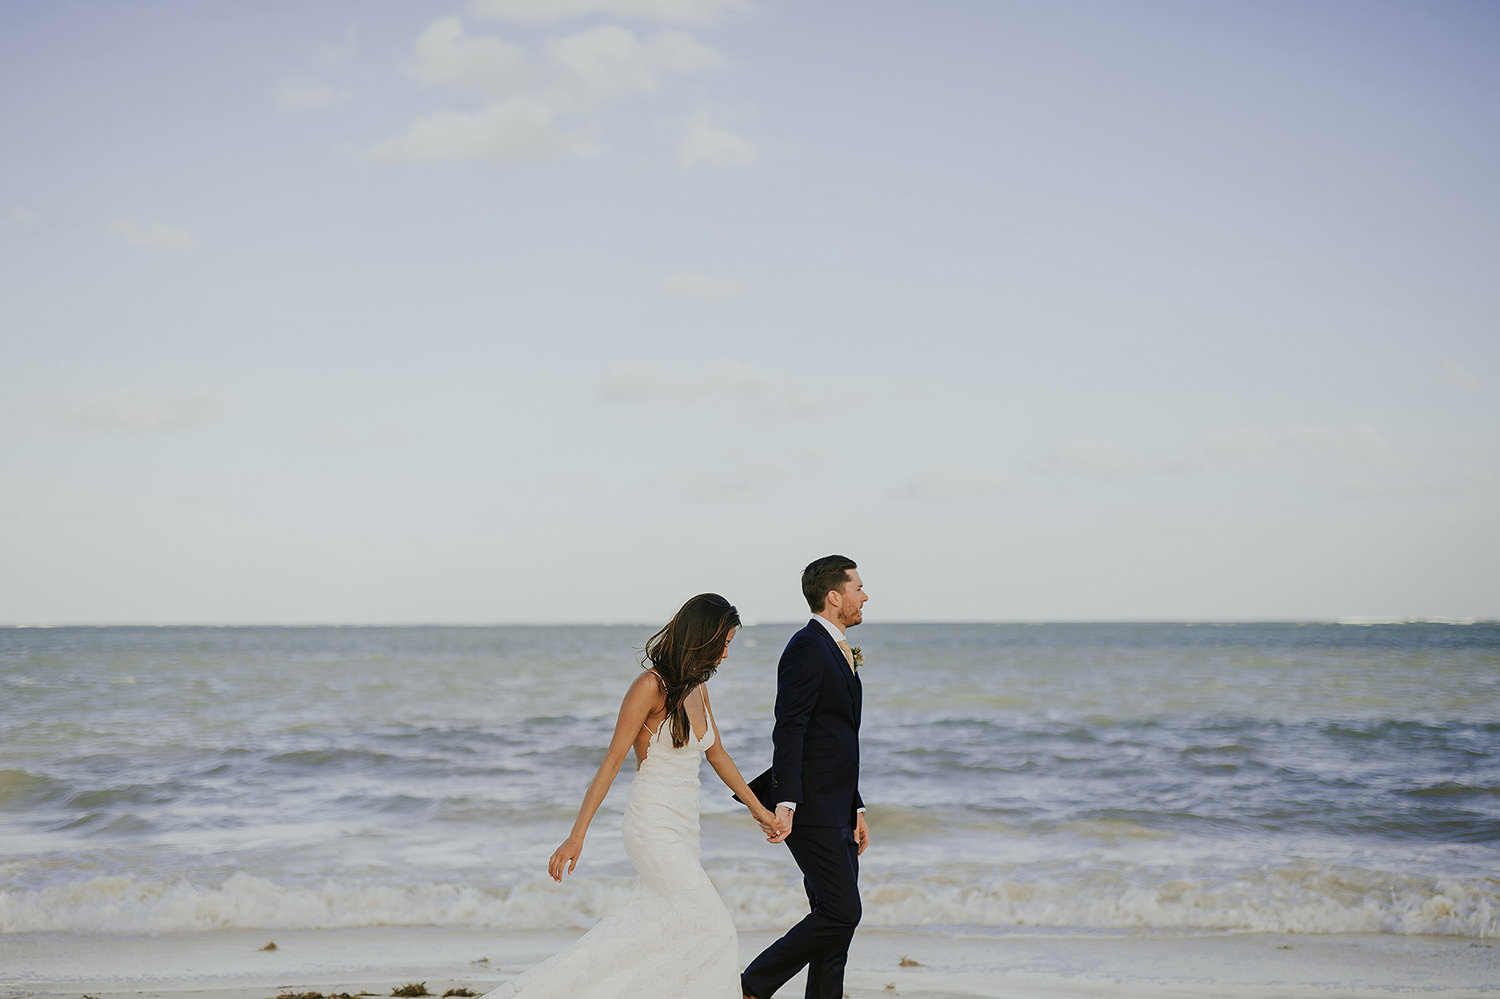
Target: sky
x,y
552,311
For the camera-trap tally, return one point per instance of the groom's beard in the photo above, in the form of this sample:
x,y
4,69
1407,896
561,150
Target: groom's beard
x,y
848,619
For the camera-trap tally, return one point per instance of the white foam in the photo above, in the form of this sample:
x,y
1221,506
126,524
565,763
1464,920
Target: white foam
x,y
1286,901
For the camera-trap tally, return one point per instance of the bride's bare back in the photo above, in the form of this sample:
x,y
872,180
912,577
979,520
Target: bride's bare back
x,y
697,712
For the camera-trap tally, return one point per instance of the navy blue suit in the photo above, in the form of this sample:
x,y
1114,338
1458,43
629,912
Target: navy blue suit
x,y
816,765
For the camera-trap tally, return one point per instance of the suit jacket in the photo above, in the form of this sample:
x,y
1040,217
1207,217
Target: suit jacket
x,y
816,758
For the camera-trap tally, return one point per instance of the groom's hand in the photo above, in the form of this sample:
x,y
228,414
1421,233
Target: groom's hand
x,y
784,820
861,833
770,826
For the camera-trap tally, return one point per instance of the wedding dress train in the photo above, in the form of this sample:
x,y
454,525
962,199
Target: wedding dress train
x,y
673,937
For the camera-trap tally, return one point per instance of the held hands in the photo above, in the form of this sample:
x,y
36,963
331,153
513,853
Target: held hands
x,y
771,825
861,833
784,820
565,856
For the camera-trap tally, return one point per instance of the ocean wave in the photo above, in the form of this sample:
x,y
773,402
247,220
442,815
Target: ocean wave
x,y
19,788
1453,789
1291,900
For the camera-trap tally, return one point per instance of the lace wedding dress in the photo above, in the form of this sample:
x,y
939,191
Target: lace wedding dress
x,y
673,937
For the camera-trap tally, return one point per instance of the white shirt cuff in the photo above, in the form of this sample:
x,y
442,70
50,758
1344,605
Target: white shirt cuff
x,y
787,804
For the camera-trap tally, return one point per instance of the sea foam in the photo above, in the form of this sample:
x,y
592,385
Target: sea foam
x,y
1272,903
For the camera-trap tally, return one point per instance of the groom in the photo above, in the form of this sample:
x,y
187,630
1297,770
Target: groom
x,y
814,785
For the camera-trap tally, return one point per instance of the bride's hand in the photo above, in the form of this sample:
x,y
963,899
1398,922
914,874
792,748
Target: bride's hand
x,y
565,856
766,819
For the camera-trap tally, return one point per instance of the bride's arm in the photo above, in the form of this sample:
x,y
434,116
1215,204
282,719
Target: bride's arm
x,y
643,696
723,764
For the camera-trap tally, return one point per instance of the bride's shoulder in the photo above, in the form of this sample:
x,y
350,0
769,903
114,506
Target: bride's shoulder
x,y
649,679
645,694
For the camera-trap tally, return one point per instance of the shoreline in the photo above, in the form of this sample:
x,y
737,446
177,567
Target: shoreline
x,y
1052,964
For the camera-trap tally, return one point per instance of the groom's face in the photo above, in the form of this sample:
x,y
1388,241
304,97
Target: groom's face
x,y
851,600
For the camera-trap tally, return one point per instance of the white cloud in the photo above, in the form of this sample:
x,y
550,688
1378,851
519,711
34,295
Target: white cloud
x,y
1094,458
745,476
446,55
157,235
510,131
335,54
944,482
298,94
727,381
537,105
148,411
1354,445
668,11
704,144
1456,376
1239,446
608,62
357,440
702,287
637,382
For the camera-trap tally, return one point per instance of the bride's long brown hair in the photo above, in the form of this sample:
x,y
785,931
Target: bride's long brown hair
x,y
687,652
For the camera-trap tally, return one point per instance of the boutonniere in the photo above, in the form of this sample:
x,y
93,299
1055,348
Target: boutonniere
x,y
859,657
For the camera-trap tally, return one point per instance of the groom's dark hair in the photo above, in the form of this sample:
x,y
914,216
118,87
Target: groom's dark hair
x,y
827,573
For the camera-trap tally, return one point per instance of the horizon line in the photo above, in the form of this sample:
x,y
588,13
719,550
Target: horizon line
x,y
1351,620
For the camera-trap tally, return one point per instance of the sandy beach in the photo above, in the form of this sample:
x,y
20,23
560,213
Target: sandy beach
x,y
232,965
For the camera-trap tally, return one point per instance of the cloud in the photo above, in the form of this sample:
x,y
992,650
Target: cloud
x,y
1093,458
609,62
550,11
640,382
445,55
745,476
1239,445
728,381
341,53
357,440
510,131
946,482
1456,376
702,287
158,235
148,412
1354,445
296,95
535,105
706,145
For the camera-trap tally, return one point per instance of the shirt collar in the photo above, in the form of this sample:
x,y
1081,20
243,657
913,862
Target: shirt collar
x,y
833,629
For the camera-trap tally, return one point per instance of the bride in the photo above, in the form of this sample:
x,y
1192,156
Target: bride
x,y
673,936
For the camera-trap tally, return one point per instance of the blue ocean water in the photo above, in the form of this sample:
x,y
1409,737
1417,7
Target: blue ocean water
x,y
1302,778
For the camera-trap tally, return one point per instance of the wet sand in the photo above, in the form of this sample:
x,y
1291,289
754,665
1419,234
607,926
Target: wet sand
x,y
233,965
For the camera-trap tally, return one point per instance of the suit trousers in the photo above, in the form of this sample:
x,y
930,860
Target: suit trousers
x,y
828,857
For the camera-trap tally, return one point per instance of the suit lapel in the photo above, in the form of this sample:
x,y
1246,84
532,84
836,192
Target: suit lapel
x,y
858,693
851,678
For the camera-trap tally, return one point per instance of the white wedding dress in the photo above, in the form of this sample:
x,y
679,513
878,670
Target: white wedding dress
x,y
673,937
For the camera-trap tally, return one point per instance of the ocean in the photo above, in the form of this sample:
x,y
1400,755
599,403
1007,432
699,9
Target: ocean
x,y
1072,778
